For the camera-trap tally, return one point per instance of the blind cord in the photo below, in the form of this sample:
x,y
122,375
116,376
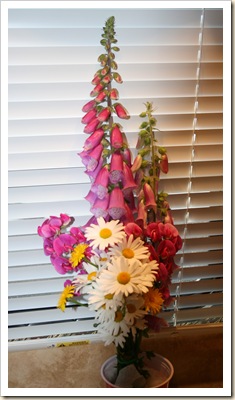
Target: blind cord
x,y
189,187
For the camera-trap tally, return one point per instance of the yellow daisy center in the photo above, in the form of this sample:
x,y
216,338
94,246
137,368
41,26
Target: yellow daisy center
x,y
91,275
131,308
108,296
118,316
105,233
78,254
123,278
128,253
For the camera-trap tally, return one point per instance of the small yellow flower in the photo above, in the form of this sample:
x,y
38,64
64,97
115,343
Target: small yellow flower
x,y
153,301
67,293
78,254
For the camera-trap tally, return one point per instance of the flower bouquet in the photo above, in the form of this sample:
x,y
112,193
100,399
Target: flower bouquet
x,y
122,260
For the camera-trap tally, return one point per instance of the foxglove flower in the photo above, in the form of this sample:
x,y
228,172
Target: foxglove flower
x,y
91,197
128,181
100,185
126,155
88,106
89,116
114,95
137,163
116,137
142,214
104,114
121,111
93,174
92,158
100,207
164,164
116,169
93,140
150,201
116,205
91,126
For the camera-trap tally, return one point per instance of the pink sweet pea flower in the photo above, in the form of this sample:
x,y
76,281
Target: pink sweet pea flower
x,y
116,137
91,126
100,207
61,264
104,114
93,140
63,244
116,168
150,201
100,185
116,205
50,227
77,234
121,111
89,116
166,249
153,231
48,246
133,229
88,106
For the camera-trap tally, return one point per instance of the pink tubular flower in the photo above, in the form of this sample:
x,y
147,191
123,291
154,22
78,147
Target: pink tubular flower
x,y
93,140
116,168
89,116
104,114
114,95
93,174
164,164
88,106
100,185
100,207
91,126
128,181
116,137
91,197
106,79
150,201
137,163
142,214
121,111
91,159
116,204
126,155
96,80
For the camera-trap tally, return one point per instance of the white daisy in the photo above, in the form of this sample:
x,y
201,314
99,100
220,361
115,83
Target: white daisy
x,y
134,304
123,277
105,234
131,249
97,299
116,329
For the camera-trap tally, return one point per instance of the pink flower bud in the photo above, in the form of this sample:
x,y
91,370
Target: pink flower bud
x,y
88,106
150,201
116,137
126,154
106,79
91,126
96,90
137,163
104,114
89,116
142,215
93,140
116,168
164,164
101,96
121,111
116,204
96,80
114,95
117,77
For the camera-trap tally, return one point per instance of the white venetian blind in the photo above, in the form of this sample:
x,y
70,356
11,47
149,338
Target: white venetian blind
x,y
172,57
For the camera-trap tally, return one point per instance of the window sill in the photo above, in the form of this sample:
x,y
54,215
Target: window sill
x,y
196,353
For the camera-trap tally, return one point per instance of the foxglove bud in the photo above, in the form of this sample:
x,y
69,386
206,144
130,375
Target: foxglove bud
x,y
104,114
116,204
89,116
164,164
101,96
96,80
117,77
96,90
121,111
88,106
93,140
91,126
114,95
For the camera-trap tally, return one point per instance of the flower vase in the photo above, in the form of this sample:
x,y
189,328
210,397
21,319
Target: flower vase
x,y
160,370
